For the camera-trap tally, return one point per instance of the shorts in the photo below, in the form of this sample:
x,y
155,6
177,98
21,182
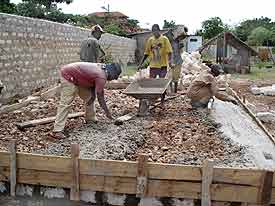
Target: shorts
x,y
161,72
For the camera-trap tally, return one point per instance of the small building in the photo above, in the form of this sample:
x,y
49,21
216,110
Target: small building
x,y
193,43
229,51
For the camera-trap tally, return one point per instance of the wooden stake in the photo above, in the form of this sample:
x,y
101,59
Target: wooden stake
x,y
142,175
13,168
75,188
265,192
207,177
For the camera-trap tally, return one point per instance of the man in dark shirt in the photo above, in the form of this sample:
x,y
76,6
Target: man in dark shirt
x,y
90,50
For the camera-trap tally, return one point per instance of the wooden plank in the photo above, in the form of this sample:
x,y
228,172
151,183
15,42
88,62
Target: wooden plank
x,y
75,188
35,122
207,177
127,185
38,162
13,168
128,169
44,178
142,175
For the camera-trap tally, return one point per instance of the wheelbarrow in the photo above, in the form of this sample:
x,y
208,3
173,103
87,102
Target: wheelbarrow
x,y
146,91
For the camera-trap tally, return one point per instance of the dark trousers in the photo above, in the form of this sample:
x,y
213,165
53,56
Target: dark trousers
x,y
161,72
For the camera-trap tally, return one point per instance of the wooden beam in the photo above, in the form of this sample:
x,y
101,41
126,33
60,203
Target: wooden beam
x,y
207,178
142,175
127,185
33,123
13,168
75,188
58,164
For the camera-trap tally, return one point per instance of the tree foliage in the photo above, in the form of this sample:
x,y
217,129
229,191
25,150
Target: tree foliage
x,y
260,36
212,27
169,24
49,3
7,7
244,29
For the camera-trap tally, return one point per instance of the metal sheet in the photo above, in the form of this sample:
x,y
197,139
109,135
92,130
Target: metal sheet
x,y
147,88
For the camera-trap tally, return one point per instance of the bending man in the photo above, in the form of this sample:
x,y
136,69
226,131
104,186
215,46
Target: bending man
x,y
204,87
87,80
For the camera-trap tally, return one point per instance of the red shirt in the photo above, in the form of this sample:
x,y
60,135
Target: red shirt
x,y
85,74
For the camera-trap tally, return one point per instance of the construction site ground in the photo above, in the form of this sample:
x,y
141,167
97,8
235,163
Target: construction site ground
x,y
174,134
257,103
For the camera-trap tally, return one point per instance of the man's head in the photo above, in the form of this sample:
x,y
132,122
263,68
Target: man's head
x,y
215,70
179,32
156,30
112,71
97,31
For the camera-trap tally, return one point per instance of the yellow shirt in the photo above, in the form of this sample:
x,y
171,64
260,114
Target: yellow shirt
x,y
158,49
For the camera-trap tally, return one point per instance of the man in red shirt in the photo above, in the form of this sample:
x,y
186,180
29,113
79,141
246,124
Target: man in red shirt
x,y
87,80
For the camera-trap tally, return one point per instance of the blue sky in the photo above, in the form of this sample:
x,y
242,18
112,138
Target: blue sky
x,y
190,13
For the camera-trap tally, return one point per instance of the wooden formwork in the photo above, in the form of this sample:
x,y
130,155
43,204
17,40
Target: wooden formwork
x,y
141,178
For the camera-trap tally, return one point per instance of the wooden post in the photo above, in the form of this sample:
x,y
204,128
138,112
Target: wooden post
x,y
13,168
142,175
75,188
265,191
207,177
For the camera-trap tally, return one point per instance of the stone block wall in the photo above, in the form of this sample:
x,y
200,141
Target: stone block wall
x,y
32,51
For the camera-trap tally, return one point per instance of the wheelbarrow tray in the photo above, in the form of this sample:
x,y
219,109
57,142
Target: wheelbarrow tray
x,y
147,88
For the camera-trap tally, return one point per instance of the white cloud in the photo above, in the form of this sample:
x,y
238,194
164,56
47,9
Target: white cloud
x,y
188,12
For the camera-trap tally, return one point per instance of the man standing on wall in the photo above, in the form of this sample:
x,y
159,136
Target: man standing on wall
x,y
90,50
175,35
159,51
86,80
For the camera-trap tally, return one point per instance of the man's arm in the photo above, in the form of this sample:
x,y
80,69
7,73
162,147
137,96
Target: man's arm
x,y
225,97
146,53
103,105
142,61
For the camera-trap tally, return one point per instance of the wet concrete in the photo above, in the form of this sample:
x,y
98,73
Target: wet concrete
x,y
240,127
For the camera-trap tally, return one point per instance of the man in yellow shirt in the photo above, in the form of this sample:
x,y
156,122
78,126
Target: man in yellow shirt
x,y
159,51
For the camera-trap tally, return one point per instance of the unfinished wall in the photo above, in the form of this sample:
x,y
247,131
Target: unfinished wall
x,y
32,50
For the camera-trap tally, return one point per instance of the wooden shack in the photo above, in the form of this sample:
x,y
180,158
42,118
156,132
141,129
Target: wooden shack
x,y
232,53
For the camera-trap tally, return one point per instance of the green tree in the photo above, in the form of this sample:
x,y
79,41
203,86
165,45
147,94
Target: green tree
x,y
244,29
260,36
169,24
212,27
7,7
49,3
114,28
31,9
